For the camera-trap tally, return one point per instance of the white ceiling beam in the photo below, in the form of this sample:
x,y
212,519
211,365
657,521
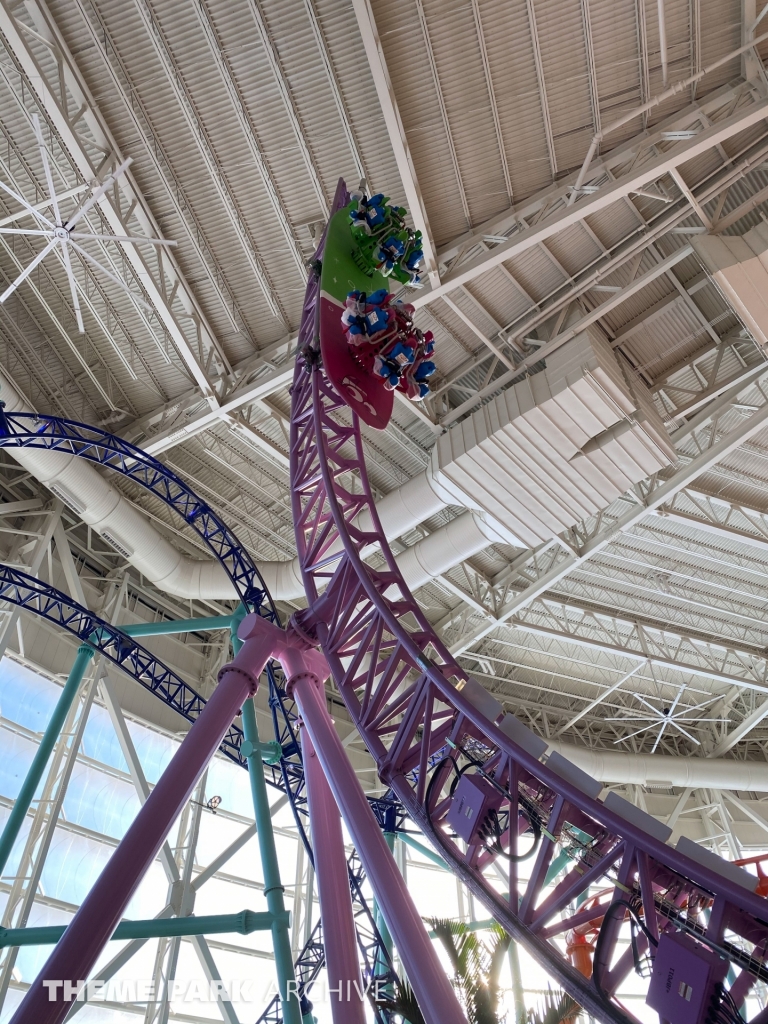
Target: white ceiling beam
x,y
488,342
443,111
344,117
135,110
609,164
560,339
492,97
563,216
542,86
741,731
251,380
374,52
219,58
261,388
290,107
741,211
677,664
72,111
646,318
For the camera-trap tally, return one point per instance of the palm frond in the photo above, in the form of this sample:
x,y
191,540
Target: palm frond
x,y
404,1004
556,1008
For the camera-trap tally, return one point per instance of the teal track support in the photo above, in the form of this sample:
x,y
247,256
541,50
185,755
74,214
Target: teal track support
x,y
244,923
558,864
273,887
40,760
179,626
521,1013
425,851
381,924
563,858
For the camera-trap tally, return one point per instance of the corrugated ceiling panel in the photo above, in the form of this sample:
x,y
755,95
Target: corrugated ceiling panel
x,y
453,35
517,95
566,78
405,52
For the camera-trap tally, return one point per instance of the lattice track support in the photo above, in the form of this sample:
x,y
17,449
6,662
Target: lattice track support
x,y
426,724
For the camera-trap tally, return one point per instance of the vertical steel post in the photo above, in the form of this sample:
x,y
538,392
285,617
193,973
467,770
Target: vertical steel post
x,y
273,886
433,990
40,760
381,965
518,995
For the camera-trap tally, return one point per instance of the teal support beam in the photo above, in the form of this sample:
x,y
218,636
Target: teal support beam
x,y
381,924
256,752
273,888
178,626
557,865
564,857
425,851
244,923
518,997
40,760
473,926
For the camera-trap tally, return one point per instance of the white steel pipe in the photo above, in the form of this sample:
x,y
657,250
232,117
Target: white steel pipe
x,y
665,770
103,508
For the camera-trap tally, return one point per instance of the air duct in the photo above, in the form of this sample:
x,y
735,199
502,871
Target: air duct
x,y
615,767
85,490
549,451
739,266
557,447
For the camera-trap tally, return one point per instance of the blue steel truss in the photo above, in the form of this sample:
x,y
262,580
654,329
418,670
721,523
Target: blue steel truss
x,y
51,433
122,650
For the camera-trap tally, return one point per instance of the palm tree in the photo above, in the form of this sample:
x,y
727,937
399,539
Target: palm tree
x,y
557,1008
476,967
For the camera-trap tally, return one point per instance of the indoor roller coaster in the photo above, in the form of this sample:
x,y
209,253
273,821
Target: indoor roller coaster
x,y
469,775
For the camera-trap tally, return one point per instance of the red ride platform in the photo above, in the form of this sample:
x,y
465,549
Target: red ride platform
x,y
340,275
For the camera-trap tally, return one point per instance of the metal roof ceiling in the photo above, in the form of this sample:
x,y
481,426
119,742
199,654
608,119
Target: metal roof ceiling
x,y
241,117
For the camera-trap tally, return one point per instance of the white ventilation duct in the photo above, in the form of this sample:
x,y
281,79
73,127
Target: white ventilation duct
x,y
739,266
557,447
664,770
590,769
85,490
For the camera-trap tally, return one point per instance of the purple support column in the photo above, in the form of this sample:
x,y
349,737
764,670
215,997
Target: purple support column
x,y
433,990
305,668
342,964
91,928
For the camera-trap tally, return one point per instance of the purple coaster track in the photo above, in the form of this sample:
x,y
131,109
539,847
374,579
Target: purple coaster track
x,y
414,705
